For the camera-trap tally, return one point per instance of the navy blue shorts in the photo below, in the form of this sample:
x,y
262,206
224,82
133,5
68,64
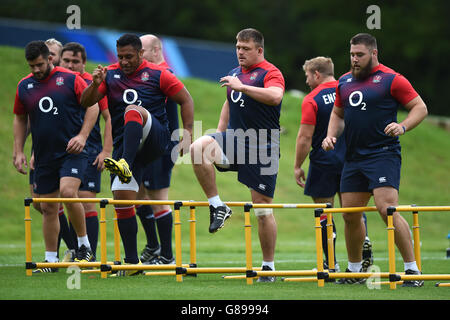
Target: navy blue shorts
x,y
368,174
253,171
48,175
322,182
155,145
158,173
92,177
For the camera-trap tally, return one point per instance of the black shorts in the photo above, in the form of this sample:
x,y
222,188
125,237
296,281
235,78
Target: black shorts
x,y
256,167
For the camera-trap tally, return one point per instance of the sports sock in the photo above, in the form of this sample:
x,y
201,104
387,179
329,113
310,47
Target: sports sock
x,y
84,240
132,135
355,266
164,221
64,231
411,266
145,214
270,264
126,221
51,256
215,201
92,229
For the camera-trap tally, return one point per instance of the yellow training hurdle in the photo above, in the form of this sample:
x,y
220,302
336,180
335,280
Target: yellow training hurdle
x,y
180,270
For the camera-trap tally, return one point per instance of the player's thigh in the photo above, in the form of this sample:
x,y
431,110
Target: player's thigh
x,y
329,200
68,187
354,199
385,197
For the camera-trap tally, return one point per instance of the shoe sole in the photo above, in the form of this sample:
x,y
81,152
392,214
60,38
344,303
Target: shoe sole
x,y
114,169
222,225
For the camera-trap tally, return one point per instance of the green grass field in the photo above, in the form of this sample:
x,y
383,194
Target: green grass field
x,y
425,181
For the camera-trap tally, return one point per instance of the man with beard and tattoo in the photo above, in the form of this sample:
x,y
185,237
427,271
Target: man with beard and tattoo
x,y
50,97
367,100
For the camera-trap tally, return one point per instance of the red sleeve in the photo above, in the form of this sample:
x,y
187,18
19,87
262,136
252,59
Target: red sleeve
x,y
169,83
402,90
337,101
19,108
80,85
309,111
103,104
274,78
102,88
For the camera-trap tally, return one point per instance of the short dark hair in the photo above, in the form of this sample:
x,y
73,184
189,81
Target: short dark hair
x,y
75,47
129,39
251,34
36,48
364,38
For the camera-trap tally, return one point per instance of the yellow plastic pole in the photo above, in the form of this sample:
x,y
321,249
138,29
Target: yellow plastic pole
x,y
318,227
391,244
103,252
27,220
248,242
416,235
116,239
177,227
192,232
330,241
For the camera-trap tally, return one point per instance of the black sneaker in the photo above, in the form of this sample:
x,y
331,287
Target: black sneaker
x,y
149,254
412,283
45,269
351,280
266,278
161,260
367,255
84,254
218,216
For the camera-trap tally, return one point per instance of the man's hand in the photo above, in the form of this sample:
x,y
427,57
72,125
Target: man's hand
x,y
299,174
99,75
394,129
20,162
99,160
76,144
233,82
328,143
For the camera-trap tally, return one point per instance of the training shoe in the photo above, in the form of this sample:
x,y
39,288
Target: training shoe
x,y
69,255
45,269
127,273
161,260
119,168
84,254
218,216
266,278
367,255
351,280
149,254
412,283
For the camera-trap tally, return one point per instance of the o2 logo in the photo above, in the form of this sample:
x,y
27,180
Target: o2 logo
x,y
237,99
46,105
356,99
130,96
